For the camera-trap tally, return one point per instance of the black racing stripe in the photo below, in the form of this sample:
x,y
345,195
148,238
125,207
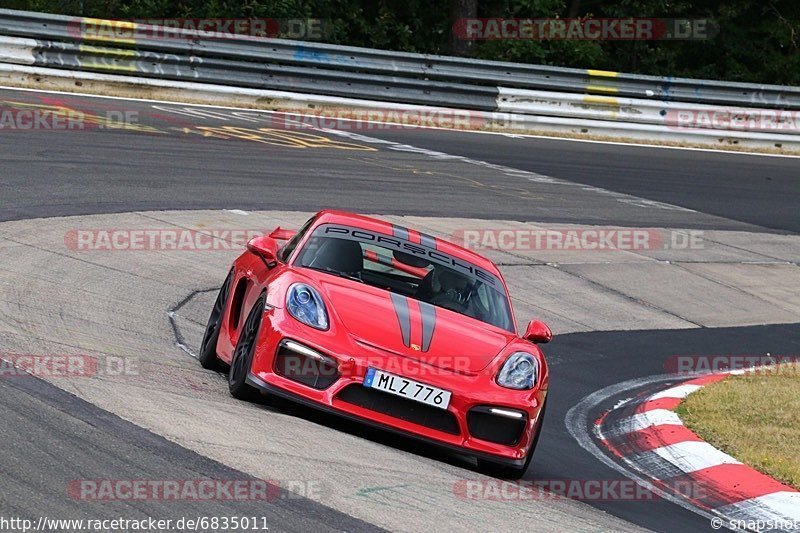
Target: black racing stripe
x,y
427,240
401,310
400,232
428,313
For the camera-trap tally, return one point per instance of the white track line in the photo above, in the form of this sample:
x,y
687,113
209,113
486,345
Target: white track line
x,y
691,456
647,419
680,392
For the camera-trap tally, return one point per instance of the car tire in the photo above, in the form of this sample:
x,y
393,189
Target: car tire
x,y
208,348
502,471
242,360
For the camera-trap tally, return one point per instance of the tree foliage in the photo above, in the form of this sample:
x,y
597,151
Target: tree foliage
x,y
758,40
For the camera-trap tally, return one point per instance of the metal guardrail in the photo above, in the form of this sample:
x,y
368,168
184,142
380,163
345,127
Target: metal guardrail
x,y
605,100
356,72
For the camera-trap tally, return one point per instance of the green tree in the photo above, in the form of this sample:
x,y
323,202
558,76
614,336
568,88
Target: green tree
x,y
757,40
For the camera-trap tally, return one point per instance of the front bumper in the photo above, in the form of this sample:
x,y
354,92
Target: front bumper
x,y
467,426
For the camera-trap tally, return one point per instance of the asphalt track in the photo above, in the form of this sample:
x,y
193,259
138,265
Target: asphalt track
x,y
45,426
61,173
756,190
102,170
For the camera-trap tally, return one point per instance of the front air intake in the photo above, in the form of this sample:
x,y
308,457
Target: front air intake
x,y
304,365
484,423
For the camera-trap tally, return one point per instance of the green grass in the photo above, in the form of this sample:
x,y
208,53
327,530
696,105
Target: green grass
x,y
754,418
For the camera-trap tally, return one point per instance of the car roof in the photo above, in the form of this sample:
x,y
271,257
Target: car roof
x,y
415,236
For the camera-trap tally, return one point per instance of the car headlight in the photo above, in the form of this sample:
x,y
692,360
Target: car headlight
x,y
305,304
519,371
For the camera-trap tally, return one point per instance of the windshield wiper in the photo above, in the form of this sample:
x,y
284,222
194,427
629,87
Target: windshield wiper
x,y
336,273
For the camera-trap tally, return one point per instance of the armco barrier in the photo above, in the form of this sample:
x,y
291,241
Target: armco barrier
x,y
571,100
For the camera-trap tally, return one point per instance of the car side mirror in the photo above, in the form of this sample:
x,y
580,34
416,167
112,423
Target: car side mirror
x,y
538,332
266,248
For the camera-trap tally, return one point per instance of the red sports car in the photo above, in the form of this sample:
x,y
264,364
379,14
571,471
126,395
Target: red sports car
x,y
388,326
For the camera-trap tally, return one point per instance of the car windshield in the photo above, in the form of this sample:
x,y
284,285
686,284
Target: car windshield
x,y
414,270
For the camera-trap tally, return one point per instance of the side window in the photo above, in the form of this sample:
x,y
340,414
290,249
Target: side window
x,y
288,248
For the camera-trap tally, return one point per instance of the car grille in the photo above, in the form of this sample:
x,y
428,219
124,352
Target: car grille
x,y
408,410
484,425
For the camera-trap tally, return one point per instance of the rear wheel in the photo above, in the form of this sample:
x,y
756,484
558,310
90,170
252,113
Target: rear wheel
x,y
242,360
502,471
208,349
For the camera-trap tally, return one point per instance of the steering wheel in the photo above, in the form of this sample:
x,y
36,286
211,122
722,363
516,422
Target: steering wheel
x,y
451,300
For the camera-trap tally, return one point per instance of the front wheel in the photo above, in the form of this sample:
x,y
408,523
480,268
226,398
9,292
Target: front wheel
x,y
208,349
490,468
242,360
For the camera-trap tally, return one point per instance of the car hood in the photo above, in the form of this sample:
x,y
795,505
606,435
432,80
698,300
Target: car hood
x,y
409,328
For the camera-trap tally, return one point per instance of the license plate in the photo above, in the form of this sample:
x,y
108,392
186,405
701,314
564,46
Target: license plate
x,y
407,388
